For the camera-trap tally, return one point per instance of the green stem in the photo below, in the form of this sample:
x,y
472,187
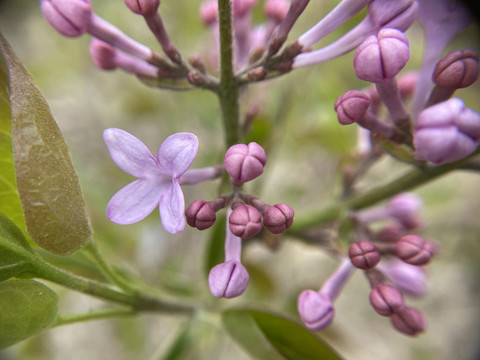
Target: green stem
x,y
138,302
416,177
229,89
93,315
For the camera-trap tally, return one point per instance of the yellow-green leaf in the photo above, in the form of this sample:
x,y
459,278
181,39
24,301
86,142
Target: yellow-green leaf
x,y
27,307
48,185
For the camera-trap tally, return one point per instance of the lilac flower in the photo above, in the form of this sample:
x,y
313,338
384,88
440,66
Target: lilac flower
x,y
159,178
409,279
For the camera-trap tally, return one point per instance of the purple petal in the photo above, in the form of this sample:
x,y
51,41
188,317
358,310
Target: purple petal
x,y
134,202
177,152
130,154
172,208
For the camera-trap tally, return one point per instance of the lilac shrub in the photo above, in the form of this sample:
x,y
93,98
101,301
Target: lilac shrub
x,y
408,111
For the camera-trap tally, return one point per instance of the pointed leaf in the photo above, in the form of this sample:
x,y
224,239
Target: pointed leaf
x,y
47,183
10,203
27,307
290,339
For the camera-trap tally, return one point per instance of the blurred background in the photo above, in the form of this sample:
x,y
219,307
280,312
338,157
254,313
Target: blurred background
x,y
305,145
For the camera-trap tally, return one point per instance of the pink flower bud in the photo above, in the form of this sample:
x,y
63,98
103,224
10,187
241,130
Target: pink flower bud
x,y
68,17
229,279
390,233
381,57
276,9
386,300
278,218
414,250
103,55
143,7
405,208
316,310
446,132
244,163
209,12
351,106
200,214
241,7
409,321
245,221
363,254
457,69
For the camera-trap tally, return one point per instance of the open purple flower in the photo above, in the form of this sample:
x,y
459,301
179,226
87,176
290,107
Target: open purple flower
x,y
158,182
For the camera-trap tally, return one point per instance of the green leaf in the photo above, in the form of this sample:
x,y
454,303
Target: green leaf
x,y
15,253
27,307
260,332
215,250
10,203
48,185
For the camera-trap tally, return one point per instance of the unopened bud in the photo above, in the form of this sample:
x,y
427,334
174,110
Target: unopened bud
x,y
103,55
200,214
386,300
381,57
143,7
414,250
457,69
409,321
351,106
363,254
276,9
229,279
278,218
405,208
68,17
316,309
209,12
245,162
245,221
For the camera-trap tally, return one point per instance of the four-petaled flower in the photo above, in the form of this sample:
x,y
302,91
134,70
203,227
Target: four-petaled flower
x,y
158,182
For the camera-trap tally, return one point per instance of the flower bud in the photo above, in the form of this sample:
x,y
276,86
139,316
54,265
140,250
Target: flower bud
x,y
409,321
457,69
351,106
405,208
245,221
276,9
103,55
200,214
229,279
241,7
278,218
380,57
316,309
414,250
390,233
68,17
409,279
399,14
143,7
209,12
386,300
446,132
363,254
245,162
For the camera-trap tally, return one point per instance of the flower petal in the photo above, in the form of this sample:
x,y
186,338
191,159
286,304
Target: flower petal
x,y
177,152
172,208
134,202
130,154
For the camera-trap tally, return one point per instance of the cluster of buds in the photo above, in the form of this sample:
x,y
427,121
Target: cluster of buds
x,y
245,214
393,260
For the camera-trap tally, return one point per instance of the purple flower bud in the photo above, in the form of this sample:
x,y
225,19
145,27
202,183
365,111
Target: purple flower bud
x,y
414,250
363,254
241,7
409,279
68,17
457,69
143,7
390,233
405,208
276,9
386,300
399,14
200,214
409,321
278,218
103,55
380,57
446,132
316,310
244,163
245,221
209,12
229,279
351,106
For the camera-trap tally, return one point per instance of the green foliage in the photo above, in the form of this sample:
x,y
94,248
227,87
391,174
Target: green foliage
x,y
47,183
27,307
267,336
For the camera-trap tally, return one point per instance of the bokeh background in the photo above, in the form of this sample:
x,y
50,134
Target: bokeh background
x,y
305,147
